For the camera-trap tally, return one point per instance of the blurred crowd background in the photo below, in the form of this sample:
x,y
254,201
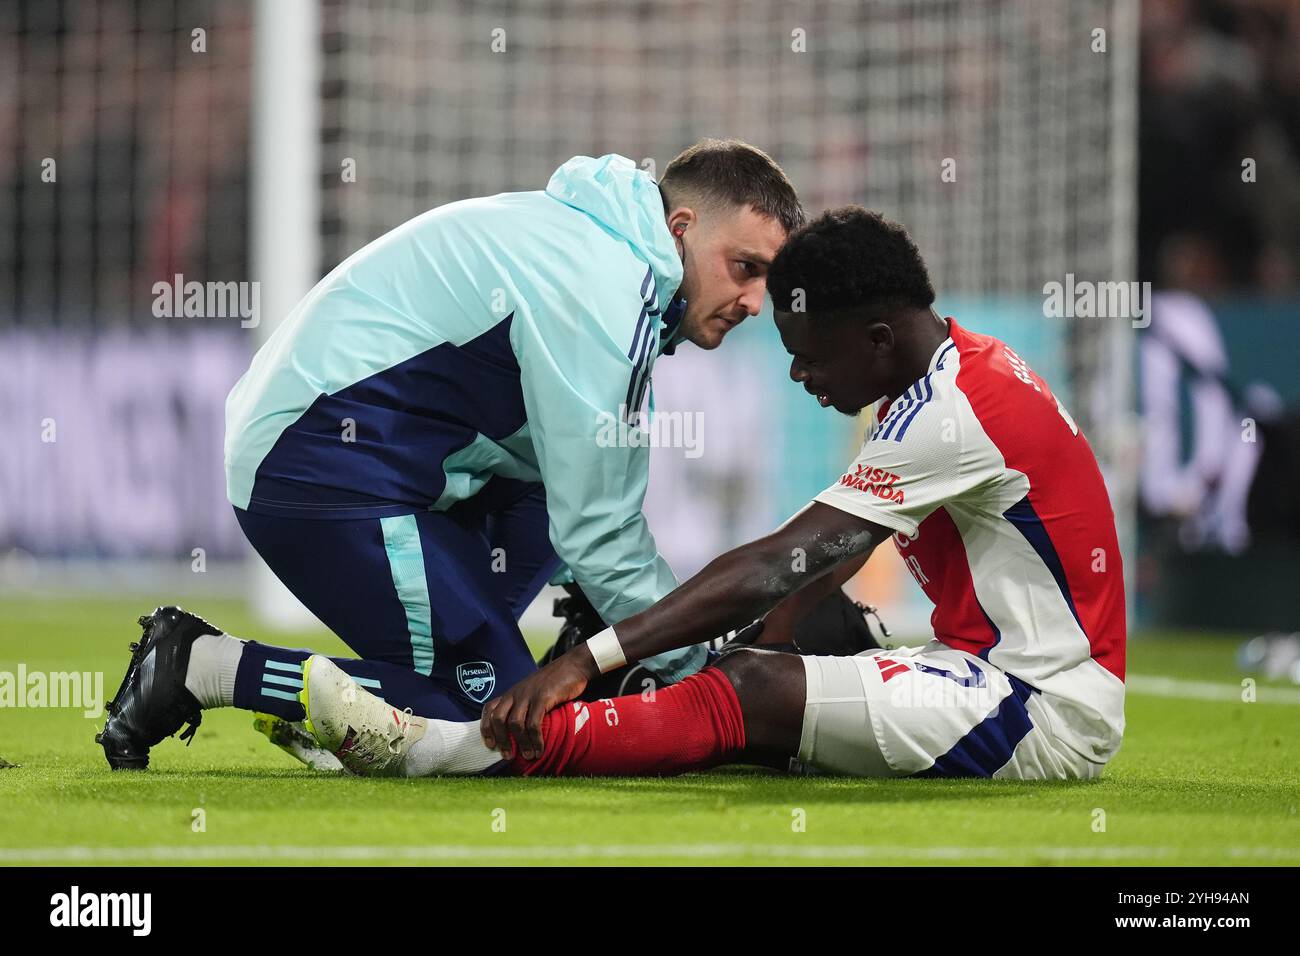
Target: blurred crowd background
x,y
1219,237
126,161
1220,82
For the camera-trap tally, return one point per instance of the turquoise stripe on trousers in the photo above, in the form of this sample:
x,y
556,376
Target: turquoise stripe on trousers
x,y
406,559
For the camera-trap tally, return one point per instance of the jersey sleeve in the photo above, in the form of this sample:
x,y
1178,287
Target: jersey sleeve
x,y
579,370
923,454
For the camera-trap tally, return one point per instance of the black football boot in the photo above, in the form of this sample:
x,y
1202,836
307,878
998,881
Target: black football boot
x,y
837,626
581,621
153,702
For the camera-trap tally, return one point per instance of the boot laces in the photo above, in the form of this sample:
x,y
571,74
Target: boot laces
x,y
372,745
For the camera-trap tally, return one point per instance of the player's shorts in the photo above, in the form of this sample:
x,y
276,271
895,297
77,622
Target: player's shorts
x,y
930,711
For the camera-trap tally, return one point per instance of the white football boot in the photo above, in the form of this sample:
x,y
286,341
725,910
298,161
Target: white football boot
x,y
369,736
292,737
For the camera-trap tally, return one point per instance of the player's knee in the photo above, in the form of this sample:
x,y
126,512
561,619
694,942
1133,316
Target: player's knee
x,y
771,687
765,679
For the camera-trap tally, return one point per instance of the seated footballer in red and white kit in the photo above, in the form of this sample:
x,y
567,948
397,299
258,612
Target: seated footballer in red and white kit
x,y
994,501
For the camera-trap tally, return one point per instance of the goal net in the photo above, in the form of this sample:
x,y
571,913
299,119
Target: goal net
x,y
1000,132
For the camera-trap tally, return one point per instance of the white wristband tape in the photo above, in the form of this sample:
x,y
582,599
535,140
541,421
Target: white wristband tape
x,y
607,651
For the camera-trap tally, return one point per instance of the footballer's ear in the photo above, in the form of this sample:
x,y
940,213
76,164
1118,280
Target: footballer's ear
x,y
880,337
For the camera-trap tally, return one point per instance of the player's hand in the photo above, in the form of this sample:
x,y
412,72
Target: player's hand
x,y
519,711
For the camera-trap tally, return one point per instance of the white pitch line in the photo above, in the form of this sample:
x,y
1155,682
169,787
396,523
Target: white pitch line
x,y
1154,686
455,853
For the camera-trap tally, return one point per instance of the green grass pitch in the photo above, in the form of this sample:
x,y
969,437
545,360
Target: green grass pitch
x,y
1203,779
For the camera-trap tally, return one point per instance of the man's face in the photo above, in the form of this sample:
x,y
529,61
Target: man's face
x,y
725,257
839,362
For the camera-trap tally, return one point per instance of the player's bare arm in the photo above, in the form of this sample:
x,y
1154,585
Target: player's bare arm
x,y
780,625
731,591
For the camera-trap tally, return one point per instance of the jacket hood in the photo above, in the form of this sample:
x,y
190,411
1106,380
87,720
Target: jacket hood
x,y
625,200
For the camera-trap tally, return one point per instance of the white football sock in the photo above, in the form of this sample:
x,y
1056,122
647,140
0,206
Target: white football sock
x,y
214,661
449,747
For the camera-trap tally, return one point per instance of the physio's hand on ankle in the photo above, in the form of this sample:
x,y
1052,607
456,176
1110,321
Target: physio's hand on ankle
x,y
518,713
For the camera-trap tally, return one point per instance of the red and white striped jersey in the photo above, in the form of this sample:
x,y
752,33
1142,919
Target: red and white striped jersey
x,y
1001,515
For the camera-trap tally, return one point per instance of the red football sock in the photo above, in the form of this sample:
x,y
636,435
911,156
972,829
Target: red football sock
x,y
693,725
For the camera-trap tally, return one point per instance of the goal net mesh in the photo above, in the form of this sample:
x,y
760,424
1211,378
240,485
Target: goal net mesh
x,y
1000,132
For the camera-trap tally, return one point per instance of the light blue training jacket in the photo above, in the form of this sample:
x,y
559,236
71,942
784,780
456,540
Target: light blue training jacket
x,y
489,338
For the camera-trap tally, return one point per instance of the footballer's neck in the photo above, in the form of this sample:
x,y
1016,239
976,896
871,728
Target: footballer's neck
x,y
917,334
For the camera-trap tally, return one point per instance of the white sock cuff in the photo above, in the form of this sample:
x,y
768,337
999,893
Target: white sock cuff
x,y
450,748
214,664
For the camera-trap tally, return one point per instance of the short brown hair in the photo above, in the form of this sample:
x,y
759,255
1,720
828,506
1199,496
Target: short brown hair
x,y
730,172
